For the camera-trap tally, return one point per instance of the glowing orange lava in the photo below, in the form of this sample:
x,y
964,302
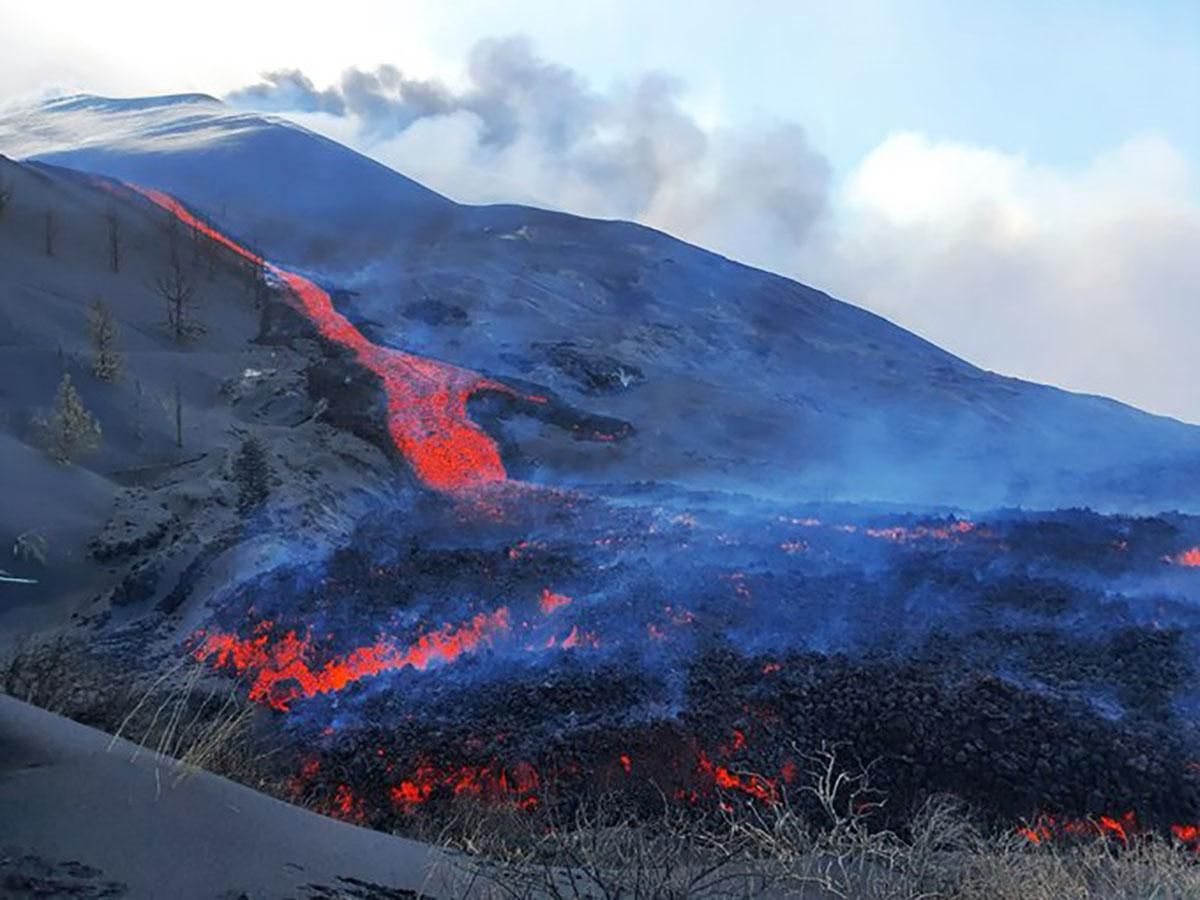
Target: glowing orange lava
x,y
1121,828
1190,558
756,786
426,398
551,601
283,671
517,783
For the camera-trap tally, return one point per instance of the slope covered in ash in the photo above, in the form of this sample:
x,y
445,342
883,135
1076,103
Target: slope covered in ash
x,y
158,497
726,377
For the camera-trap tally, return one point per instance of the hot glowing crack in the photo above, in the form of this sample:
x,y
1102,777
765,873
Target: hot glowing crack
x,y
283,670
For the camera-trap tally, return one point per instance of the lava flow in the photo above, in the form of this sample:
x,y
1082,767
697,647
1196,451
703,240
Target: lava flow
x,y
518,783
1121,828
282,670
426,398
1190,558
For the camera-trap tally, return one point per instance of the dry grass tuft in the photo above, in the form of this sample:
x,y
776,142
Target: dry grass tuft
x,y
187,720
779,851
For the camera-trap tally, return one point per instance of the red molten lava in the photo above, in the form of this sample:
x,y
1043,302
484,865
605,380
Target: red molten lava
x,y
283,670
1121,828
755,785
517,783
1190,558
551,601
426,398
1188,835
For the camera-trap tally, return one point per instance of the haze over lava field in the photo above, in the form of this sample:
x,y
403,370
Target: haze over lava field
x,y
568,505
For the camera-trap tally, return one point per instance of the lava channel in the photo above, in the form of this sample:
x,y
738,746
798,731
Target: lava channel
x,y
426,398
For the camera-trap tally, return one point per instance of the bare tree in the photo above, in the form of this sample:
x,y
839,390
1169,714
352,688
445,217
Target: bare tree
x,y
103,331
178,416
51,231
199,240
205,251
114,239
177,287
5,194
139,418
172,405
256,270
69,430
603,849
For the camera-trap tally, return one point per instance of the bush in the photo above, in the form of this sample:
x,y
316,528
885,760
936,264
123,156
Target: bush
x,y
103,331
821,842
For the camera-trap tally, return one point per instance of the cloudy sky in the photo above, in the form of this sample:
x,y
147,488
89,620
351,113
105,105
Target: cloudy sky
x,y
1017,181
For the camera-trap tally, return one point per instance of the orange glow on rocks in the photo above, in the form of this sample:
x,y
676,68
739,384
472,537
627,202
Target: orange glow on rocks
x,y
902,534
551,601
1187,834
283,670
1045,828
754,785
518,783
1190,558
426,398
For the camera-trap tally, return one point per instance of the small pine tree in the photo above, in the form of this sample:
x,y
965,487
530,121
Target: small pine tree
x,y
103,331
68,431
252,473
178,288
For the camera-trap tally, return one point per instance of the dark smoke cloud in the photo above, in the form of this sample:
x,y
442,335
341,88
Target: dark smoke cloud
x,y
524,129
289,90
1066,275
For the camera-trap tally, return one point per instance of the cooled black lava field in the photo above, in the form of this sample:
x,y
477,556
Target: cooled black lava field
x,y
547,644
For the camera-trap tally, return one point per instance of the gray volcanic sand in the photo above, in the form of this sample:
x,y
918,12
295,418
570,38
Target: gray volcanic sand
x,y
82,818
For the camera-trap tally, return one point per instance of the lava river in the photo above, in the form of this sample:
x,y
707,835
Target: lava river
x,y
426,398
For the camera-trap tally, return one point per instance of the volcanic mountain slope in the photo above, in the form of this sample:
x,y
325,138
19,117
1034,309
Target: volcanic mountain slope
x,y
725,377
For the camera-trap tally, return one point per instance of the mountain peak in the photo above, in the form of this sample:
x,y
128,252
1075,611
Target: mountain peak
x,y
71,102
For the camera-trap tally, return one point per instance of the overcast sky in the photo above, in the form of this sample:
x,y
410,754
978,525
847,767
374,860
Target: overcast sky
x,y
1017,181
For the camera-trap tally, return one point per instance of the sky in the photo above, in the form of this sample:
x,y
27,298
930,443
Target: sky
x,y
1017,181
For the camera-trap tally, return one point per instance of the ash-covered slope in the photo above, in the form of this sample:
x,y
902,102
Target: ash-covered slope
x,y
192,838
161,482
729,377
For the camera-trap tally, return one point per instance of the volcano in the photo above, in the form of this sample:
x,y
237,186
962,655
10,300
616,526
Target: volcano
x,y
554,507
732,379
